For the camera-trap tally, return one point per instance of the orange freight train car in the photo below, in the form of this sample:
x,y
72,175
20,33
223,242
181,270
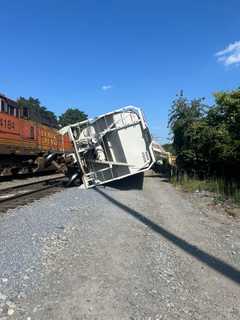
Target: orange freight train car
x,y
27,145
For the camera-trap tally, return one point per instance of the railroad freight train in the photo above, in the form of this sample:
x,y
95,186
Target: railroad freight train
x,y
28,143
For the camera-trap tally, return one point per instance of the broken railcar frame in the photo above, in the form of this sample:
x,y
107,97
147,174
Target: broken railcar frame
x,y
113,146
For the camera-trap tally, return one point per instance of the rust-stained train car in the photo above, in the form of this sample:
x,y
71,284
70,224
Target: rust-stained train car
x,y
27,145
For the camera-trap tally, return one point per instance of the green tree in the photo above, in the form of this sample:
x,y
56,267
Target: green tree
x,y
207,139
37,112
72,115
169,148
224,122
186,121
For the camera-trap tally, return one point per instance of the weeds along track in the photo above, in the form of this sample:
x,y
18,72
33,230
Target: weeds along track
x,y
23,192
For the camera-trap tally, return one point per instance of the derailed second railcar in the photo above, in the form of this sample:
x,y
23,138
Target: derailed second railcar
x,y
112,146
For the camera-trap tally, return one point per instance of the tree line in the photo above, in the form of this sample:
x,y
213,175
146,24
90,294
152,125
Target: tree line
x,y
38,112
206,139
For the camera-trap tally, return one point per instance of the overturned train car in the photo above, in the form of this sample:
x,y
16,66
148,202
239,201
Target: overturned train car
x,y
113,146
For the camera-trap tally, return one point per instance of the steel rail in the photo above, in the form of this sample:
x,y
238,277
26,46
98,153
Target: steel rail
x,y
30,183
29,192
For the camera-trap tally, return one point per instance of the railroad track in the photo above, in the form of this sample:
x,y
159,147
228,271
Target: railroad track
x,y
19,194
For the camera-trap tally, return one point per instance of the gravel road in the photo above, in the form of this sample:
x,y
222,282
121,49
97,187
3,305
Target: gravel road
x,y
119,253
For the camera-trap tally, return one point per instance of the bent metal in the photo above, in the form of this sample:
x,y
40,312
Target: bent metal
x,y
112,146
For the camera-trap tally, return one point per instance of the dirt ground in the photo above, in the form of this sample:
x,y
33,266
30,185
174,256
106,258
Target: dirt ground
x,y
136,250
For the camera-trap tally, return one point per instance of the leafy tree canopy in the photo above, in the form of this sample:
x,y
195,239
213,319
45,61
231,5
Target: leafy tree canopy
x,y
207,139
169,148
70,116
37,112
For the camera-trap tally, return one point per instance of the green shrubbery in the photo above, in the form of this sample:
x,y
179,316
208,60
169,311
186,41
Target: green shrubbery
x,y
206,141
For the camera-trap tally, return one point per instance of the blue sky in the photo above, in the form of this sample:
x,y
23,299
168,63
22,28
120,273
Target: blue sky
x,y
99,55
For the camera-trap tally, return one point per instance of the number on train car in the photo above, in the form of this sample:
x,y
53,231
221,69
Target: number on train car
x,y
7,124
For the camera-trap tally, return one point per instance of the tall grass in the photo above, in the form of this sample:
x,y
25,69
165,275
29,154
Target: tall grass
x,y
222,188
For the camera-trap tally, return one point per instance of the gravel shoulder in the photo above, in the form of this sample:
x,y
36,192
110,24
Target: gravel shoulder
x,y
119,253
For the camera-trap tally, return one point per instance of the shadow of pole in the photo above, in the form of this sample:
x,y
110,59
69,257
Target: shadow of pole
x,y
214,263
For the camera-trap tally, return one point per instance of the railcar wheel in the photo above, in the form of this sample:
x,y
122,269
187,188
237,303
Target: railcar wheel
x,y
49,158
73,179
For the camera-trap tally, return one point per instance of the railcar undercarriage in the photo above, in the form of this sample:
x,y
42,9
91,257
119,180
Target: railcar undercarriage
x,y
11,165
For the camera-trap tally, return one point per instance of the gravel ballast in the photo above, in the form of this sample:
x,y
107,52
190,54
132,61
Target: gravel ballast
x,y
119,253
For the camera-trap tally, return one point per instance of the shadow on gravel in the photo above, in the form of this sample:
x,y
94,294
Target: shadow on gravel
x,y
214,263
129,183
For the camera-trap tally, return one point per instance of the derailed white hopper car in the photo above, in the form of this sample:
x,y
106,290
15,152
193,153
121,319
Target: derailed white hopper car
x,y
113,146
